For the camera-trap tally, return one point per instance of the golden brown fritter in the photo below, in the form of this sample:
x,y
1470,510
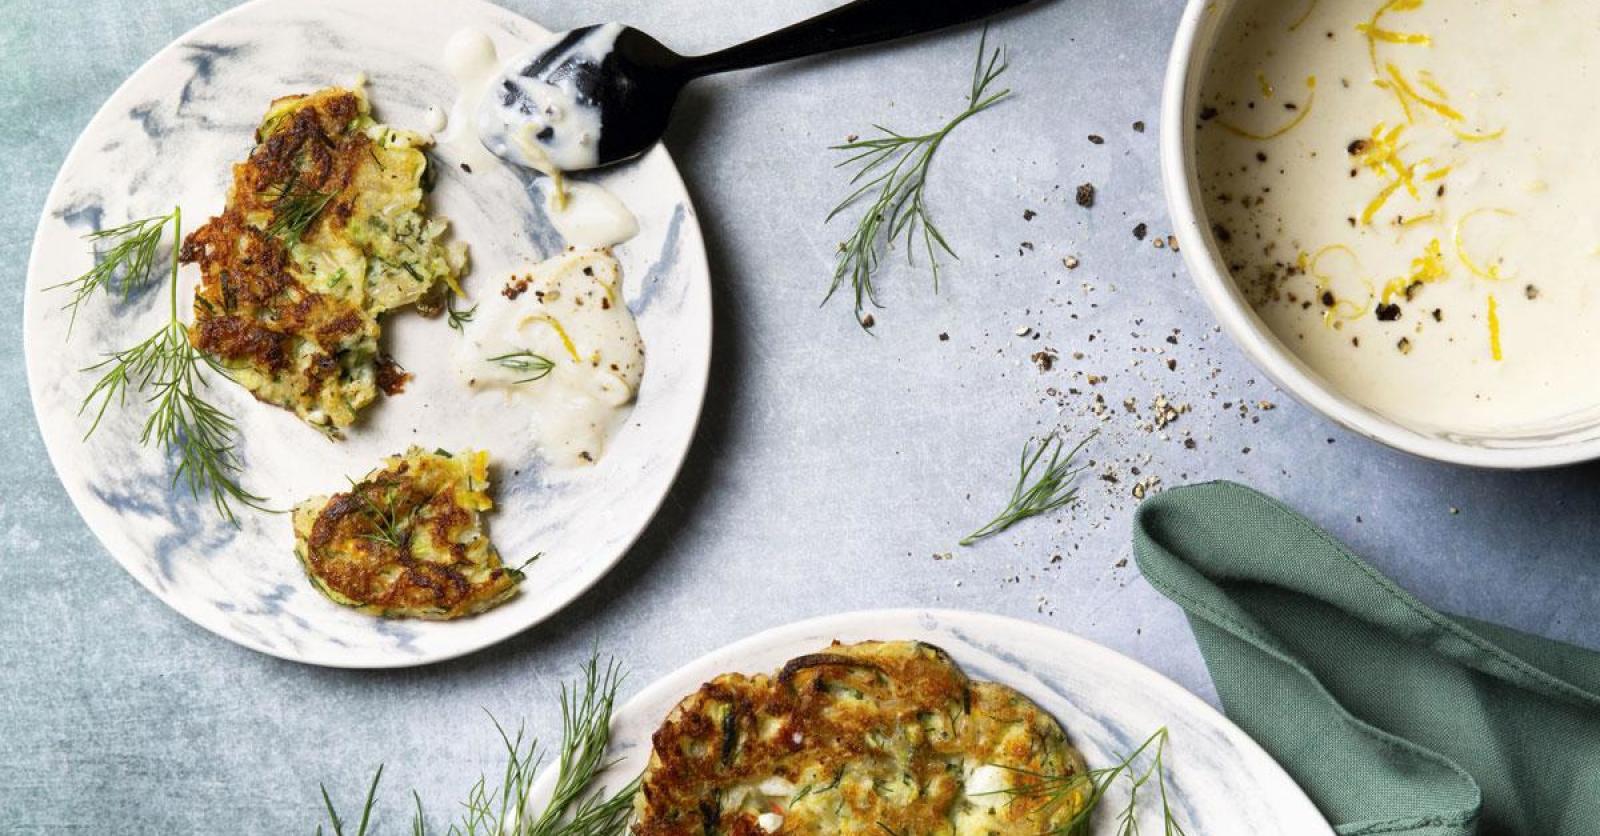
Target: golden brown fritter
x,y
323,232
406,541
870,738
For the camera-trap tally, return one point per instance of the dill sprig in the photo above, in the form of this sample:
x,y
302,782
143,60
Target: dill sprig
x,y
171,372
508,808
457,319
294,209
1056,790
520,571
892,170
389,527
127,266
1054,487
537,366
366,809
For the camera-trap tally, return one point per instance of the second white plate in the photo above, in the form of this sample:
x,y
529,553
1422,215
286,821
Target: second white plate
x,y
1219,780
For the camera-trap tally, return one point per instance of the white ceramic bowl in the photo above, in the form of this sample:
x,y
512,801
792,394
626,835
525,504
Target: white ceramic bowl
x,y
1197,35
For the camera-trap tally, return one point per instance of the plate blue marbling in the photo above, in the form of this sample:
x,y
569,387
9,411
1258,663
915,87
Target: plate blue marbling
x,y
1219,780
169,135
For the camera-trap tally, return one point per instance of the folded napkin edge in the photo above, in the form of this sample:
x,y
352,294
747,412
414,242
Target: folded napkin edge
x,y
1514,664
1194,607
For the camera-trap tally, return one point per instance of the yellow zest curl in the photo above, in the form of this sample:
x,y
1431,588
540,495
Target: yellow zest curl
x,y
1374,32
1378,202
1406,92
1300,116
1492,273
1342,310
555,325
1466,136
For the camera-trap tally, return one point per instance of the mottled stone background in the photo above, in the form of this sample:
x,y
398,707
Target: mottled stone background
x,y
832,471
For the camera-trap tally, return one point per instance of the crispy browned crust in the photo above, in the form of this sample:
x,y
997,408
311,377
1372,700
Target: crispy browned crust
x,y
314,145
250,310
440,566
860,714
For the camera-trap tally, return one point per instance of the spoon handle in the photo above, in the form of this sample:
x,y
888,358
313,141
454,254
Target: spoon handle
x,y
851,25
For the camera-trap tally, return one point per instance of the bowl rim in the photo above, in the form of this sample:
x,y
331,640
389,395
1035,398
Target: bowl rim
x,y
1252,336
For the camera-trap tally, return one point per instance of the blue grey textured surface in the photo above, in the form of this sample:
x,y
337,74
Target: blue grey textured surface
x,y
832,471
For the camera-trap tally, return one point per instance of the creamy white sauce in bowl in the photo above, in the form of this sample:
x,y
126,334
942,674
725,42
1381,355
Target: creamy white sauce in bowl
x,y
1400,233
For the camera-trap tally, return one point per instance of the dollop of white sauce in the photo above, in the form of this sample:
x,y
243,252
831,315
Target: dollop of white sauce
x,y
568,312
472,61
585,214
590,216
434,119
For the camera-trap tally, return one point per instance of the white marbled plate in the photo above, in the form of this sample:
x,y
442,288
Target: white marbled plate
x,y
169,136
1220,782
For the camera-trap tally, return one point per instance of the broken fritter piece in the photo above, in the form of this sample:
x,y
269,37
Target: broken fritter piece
x,y
324,231
407,540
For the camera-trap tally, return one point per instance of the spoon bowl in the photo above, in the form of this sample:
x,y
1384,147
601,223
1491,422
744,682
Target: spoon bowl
x,y
595,96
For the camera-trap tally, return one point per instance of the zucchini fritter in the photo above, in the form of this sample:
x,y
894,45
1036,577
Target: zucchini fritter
x,y
406,541
870,738
323,232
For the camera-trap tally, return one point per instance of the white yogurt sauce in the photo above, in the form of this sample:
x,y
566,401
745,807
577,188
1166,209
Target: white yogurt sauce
x,y
472,60
1420,226
565,349
590,216
434,119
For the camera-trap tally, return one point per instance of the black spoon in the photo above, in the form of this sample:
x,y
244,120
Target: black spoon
x,y
602,94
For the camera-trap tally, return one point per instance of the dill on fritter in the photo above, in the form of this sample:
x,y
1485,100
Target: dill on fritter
x,y
508,807
170,372
892,172
1056,790
1052,489
537,366
295,209
388,526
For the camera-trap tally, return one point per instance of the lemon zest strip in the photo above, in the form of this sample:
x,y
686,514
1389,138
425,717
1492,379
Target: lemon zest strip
x,y
1494,330
1493,271
1342,310
1300,116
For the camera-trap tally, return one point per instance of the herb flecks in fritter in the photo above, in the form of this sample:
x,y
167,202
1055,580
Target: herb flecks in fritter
x,y
871,738
324,232
406,540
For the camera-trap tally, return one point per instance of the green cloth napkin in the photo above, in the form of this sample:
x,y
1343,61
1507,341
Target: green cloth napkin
x,y
1394,717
